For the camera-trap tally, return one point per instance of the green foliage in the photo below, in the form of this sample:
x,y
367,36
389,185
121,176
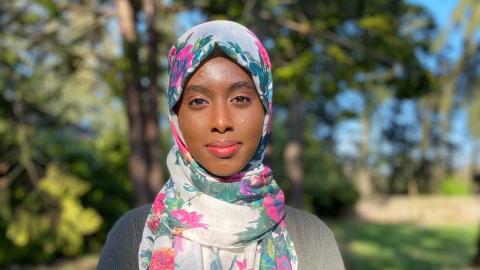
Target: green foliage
x,y
378,23
328,190
50,219
453,186
63,149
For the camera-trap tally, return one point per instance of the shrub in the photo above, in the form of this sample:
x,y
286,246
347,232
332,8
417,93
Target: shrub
x,y
453,186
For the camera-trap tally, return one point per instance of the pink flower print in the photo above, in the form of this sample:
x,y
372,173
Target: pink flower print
x,y
256,181
171,54
180,144
261,49
189,219
242,265
265,177
153,224
266,172
263,53
157,210
183,60
158,204
274,206
178,243
283,263
163,259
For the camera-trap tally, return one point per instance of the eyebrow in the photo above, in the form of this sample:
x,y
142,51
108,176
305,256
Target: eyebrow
x,y
233,87
241,84
197,88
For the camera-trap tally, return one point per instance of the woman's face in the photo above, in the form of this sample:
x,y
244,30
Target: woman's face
x,y
221,116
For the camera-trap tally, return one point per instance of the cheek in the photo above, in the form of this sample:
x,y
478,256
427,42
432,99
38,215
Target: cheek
x,y
252,123
191,127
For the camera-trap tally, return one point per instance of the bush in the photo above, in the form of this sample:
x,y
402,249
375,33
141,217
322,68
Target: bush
x,y
454,186
331,196
83,189
329,191
50,219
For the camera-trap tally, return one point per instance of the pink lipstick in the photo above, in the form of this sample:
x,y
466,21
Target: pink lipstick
x,y
223,149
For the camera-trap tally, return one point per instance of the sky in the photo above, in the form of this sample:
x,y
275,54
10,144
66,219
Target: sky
x,y
440,9
347,134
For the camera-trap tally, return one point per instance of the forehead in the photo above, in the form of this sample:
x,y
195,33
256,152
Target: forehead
x,y
218,69
208,39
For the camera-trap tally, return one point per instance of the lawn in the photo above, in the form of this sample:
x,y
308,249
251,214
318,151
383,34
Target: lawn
x,y
371,246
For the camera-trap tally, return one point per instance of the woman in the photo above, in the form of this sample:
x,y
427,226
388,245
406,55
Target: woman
x,y
221,209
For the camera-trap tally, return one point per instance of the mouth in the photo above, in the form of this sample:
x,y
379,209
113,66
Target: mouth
x,y
224,149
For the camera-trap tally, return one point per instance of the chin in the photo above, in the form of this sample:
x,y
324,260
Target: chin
x,y
221,172
222,168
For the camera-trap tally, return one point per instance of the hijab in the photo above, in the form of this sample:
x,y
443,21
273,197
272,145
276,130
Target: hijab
x,y
196,220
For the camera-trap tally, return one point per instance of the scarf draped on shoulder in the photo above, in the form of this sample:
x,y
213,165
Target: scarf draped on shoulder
x,y
196,221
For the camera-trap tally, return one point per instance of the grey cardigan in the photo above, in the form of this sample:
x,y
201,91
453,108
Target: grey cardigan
x,y
314,242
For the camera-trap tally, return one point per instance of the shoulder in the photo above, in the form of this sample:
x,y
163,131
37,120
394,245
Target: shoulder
x,y
314,242
134,216
303,218
302,221
130,224
121,247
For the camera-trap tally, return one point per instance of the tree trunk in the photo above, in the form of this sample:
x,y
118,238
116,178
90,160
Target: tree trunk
x,y
363,176
474,173
152,134
425,111
476,258
137,161
25,158
293,153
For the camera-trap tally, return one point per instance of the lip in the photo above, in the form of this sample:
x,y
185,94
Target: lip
x,y
223,149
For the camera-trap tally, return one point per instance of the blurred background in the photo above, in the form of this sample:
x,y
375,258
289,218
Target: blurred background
x,y
376,122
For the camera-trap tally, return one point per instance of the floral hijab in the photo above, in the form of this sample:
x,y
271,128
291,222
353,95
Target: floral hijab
x,y
196,221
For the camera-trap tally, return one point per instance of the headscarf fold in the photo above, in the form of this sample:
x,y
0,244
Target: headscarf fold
x,y
196,221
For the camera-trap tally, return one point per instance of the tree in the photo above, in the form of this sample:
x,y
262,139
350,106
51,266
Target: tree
x,y
321,50
45,54
140,69
464,84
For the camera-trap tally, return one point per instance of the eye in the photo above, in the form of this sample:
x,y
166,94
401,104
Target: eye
x,y
196,102
241,99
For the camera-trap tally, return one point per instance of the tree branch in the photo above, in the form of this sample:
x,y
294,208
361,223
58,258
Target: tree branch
x,y
304,28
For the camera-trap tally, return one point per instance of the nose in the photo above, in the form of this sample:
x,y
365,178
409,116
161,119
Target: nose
x,y
221,119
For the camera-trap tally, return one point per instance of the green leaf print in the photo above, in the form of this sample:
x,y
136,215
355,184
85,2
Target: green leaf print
x,y
229,51
174,203
202,41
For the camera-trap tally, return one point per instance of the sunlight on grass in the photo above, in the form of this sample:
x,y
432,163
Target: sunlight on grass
x,y
370,246
86,262
363,248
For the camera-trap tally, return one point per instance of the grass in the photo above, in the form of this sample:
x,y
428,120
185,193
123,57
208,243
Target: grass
x,y
370,246
84,262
